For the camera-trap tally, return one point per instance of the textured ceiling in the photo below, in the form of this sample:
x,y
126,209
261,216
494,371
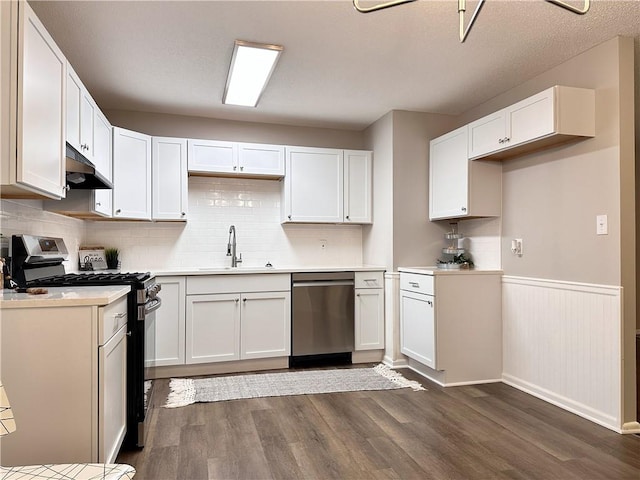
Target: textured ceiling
x,y
339,68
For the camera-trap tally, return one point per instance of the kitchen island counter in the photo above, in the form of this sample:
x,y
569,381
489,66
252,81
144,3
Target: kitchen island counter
x,y
64,297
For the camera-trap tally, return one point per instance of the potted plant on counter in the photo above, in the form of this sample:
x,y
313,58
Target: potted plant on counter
x,y
111,256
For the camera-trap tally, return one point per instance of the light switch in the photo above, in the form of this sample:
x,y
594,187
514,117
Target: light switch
x,y
601,225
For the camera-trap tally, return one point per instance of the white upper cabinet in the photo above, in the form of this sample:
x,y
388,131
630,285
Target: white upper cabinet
x,y
211,157
556,115
33,110
131,175
261,159
358,180
169,186
327,185
313,185
458,187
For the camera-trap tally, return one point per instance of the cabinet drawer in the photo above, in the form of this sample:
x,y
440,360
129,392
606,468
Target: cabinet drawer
x,y
369,279
112,318
414,282
235,283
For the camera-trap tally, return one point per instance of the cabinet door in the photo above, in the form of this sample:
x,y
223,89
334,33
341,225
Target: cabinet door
x,y
170,322
209,156
369,319
213,328
87,114
487,134
259,159
449,175
530,119
313,185
112,409
131,174
358,179
265,329
169,170
74,100
418,327
41,108
102,159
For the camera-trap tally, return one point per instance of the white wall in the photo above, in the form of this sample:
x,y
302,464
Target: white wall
x,y
253,206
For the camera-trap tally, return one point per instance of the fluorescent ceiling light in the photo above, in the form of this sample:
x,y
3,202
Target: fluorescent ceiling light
x,y
251,67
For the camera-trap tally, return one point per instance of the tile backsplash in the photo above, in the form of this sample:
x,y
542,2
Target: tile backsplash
x,y
253,206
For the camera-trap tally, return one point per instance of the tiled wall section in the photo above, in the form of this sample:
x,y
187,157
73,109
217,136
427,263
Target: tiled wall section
x,y
482,241
253,206
27,216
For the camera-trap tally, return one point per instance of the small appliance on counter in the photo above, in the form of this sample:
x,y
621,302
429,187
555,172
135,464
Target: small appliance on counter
x,y
454,255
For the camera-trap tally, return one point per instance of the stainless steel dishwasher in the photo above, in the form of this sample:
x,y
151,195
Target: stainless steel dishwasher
x,y
322,328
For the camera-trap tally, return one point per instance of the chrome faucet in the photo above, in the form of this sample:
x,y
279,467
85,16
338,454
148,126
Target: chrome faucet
x,y
231,247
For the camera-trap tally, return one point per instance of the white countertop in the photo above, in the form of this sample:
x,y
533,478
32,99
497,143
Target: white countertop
x,y
64,297
257,269
434,270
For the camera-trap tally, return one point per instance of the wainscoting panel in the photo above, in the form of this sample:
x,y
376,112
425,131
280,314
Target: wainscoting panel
x,y
562,343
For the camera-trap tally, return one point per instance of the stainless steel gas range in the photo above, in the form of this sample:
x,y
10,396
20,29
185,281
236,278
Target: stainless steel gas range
x,y
37,262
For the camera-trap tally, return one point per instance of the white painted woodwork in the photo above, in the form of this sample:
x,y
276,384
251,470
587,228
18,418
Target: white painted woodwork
x,y
562,344
213,328
313,185
556,115
358,181
169,172
237,317
73,108
33,112
268,282
417,327
456,333
369,319
459,188
103,161
171,322
265,329
112,396
211,156
112,318
369,279
87,115
261,159
131,175
71,373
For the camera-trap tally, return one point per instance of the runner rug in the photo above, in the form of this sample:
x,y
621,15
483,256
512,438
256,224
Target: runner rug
x,y
185,391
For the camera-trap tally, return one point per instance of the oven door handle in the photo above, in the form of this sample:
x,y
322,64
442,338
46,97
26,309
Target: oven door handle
x,y
152,305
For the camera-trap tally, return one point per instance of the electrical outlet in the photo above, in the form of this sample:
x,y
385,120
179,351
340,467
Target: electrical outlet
x,y
516,246
323,244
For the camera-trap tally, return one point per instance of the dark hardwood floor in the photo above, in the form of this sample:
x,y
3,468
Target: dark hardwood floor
x,y
488,431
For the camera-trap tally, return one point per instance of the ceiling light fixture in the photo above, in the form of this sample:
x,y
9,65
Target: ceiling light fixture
x,y
251,67
462,7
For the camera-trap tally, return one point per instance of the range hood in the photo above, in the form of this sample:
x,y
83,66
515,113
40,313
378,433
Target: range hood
x,y
82,174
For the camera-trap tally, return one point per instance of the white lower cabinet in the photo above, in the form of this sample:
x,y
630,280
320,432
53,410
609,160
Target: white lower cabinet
x,y
113,394
170,322
237,317
369,311
451,322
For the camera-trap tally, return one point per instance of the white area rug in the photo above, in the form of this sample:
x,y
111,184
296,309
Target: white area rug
x,y
185,391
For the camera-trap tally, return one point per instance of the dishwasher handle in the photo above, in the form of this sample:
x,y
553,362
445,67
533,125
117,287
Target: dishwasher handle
x,y
341,283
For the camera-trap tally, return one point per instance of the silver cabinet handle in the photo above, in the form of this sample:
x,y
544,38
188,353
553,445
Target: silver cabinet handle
x,y
241,168
357,294
289,217
464,209
430,303
120,315
98,204
237,300
118,211
235,168
347,217
182,214
244,300
128,334
414,284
